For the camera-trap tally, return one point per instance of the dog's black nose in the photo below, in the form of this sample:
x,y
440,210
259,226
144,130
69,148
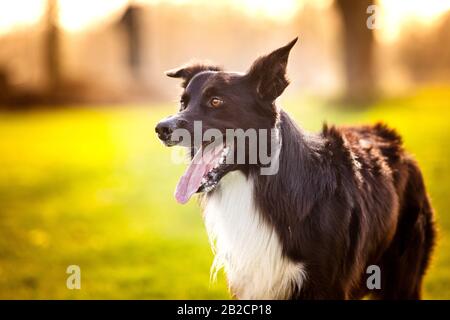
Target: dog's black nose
x,y
165,128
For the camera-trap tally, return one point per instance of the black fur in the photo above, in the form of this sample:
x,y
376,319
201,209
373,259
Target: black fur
x,y
356,199
343,199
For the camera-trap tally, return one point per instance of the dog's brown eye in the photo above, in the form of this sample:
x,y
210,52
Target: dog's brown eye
x,y
215,102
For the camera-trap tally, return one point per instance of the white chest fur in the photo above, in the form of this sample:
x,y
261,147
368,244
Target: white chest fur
x,y
245,246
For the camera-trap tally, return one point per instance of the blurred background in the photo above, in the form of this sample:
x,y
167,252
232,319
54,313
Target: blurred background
x,y
83,179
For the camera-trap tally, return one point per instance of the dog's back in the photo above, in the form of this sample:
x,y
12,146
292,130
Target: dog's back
x,y
378,156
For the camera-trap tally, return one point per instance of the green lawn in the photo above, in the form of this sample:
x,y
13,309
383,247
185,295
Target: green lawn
x,y
94,187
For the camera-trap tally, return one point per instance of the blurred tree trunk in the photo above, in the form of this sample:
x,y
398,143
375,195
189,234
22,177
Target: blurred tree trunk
x,y
4,86
358,47
132,25
52,63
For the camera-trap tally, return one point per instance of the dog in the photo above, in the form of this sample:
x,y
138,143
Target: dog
x,y
340,201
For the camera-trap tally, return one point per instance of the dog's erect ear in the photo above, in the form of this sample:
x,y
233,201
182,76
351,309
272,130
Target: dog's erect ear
x,y
268,73
189,71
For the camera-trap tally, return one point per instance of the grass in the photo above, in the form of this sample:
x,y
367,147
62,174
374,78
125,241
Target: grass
x,y
94,187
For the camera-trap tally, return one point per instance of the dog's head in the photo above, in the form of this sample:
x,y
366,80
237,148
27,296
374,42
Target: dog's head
x,y
220,101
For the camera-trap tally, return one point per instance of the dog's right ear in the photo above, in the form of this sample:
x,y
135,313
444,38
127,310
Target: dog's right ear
x,y
188,72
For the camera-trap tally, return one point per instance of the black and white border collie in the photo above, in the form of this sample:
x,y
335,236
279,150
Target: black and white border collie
x,y
341,200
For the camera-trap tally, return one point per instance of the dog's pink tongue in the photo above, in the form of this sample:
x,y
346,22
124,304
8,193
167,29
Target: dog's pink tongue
x,y
192,177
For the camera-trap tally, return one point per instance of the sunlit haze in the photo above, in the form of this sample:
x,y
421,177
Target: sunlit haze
x,y
78,15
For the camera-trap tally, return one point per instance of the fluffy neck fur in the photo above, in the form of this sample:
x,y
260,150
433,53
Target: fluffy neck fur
x,y
246,246
242,223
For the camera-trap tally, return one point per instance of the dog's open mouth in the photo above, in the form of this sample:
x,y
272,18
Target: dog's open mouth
x,y
204,172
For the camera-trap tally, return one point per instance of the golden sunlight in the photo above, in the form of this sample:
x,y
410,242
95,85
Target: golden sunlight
x,y
19,13
78,15
396,13
280,9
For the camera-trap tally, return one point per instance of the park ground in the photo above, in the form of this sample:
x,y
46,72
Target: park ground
x,y
94,187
